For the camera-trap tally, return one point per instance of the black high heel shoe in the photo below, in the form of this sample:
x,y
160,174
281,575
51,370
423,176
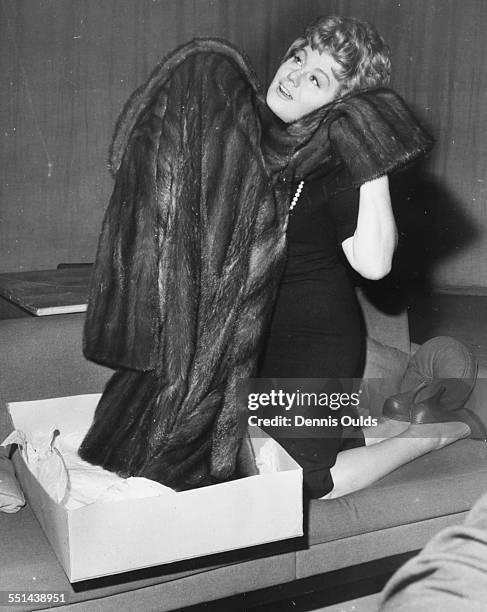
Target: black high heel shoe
x,y
398,407
454,393
428,408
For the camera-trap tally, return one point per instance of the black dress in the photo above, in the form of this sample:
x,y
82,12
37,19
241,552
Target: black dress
x,y
316,329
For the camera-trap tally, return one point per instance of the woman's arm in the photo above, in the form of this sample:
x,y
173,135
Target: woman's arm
x,y
370,250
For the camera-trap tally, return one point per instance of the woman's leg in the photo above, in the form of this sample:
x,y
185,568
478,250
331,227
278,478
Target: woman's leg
x,y
357,468
440,361
314,447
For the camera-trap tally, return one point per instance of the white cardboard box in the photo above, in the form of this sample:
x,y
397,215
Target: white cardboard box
x,y
107,538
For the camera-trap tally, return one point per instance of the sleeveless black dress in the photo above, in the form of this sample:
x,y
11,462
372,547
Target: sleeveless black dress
x,y
316,330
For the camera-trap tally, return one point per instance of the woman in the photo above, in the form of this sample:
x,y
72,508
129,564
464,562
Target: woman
x,y
316,329
192,248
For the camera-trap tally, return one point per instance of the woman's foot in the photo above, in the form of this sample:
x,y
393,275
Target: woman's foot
x,y
442,434
429,413
385,429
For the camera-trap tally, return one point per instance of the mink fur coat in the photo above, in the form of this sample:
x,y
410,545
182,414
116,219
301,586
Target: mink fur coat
x,y
191,251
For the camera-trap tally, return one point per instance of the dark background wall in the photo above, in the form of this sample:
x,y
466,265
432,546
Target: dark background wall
x,y
67,67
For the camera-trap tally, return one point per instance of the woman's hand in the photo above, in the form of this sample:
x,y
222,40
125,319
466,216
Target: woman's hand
x,y
371,248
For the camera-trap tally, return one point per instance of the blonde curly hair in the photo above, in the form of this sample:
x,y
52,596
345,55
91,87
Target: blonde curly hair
x,y
356,46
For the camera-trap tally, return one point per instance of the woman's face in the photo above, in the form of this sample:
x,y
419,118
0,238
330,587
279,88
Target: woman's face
x,y
303,83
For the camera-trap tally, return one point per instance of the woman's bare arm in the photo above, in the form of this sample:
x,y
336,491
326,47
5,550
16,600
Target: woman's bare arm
x,y
370,250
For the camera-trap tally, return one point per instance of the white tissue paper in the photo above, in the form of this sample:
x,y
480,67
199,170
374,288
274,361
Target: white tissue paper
x,y
53,459
44,461
11,496
267,458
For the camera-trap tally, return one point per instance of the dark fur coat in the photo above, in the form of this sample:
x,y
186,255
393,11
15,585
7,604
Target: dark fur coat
x,y
191,251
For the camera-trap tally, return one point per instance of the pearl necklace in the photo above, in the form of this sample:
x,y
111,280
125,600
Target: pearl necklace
x,y
296,196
